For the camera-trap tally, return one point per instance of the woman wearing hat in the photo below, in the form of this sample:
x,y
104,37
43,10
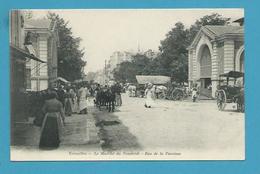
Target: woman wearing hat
x,y
149,93
52,123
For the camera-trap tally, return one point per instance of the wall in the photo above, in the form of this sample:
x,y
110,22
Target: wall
x,y
39,71
220,57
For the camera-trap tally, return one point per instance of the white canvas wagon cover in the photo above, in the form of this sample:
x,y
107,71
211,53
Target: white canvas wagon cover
x,y
143,79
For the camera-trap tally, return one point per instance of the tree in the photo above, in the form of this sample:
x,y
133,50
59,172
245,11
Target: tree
x,y
213,19
174,58
70,63
125,72
140,62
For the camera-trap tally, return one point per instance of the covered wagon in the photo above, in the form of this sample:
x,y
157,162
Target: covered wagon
x,y
158,80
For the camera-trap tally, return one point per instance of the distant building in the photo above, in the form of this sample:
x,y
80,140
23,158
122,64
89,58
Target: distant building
x,y
215,50
43,35
115,59
118,57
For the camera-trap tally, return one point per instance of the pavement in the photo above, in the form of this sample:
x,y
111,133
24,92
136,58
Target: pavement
x,y
79,132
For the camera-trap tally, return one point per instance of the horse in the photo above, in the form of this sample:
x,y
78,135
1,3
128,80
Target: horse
x,y
105,97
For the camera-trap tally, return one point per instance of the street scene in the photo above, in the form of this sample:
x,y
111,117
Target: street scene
x,y
111,89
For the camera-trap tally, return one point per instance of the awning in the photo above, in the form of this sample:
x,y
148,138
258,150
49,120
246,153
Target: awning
x,y
18,52
62,79
143,79
78,81
30,49
234,74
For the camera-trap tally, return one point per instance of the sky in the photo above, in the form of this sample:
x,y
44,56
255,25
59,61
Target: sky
x,y
106,31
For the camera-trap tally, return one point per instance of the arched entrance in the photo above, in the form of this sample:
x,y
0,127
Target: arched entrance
x,y
205,71
240,59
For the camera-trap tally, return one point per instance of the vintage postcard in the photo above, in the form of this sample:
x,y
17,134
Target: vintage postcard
x,y
127,84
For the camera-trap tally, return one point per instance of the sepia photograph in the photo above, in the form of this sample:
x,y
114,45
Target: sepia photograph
x,y
127,84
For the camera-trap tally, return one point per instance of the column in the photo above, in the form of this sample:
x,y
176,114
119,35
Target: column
x,y
194,65
189,65
190,79
229,52
214,68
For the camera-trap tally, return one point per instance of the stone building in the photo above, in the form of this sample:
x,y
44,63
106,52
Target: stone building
x,y
215,50
43,35
115,59
118,57
20,53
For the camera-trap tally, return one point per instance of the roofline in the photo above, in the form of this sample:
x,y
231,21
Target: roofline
x,y
41,28
212,35
229,36
204,30
239,20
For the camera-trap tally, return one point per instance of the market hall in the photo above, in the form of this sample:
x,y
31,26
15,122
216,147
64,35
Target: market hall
x,y
215,50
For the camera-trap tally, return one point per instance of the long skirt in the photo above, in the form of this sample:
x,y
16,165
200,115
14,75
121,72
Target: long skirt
x,y
51,131
118,100
68,106
75,106
82,104
149,101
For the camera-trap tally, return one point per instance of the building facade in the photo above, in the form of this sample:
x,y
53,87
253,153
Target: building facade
x,y
122,56
115,59
43,35
118,57
214,51
20,53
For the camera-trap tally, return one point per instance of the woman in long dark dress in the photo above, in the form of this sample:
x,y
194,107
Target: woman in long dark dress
x,y
68,103
52,123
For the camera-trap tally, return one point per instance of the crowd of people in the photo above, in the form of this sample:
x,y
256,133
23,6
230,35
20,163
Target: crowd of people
x,y
50,107
151,92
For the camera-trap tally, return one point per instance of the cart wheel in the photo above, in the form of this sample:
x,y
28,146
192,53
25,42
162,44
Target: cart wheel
x,y
221,100
242,109
174,94
161,95
241,104
180,95
177,94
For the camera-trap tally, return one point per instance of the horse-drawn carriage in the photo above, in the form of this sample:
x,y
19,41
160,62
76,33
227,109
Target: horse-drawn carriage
x,y
159,82
176,92
230,95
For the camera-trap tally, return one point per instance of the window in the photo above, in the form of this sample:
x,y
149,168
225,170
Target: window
x,y
43,84
34,85
28,78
